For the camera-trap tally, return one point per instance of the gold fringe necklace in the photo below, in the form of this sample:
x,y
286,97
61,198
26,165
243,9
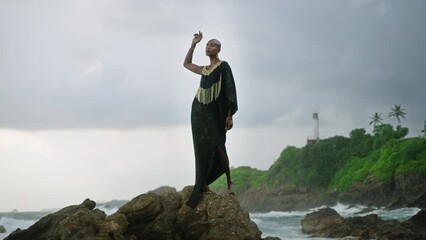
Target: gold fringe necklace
x,y
208,95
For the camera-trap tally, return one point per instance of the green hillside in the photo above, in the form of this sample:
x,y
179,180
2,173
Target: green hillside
x,y
335,163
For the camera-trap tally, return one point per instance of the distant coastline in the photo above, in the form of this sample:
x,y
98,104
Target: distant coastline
x,y
383,170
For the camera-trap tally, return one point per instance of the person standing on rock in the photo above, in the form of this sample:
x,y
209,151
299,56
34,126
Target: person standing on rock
x,y
211,117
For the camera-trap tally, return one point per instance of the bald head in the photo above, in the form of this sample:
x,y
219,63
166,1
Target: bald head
x,y
215,42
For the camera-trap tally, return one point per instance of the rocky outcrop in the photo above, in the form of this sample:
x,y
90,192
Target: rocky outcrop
x,y
328,223
401,191
417,222
2,229
149,216
73,222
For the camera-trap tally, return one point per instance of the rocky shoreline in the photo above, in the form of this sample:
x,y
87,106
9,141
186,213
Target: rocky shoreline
x,y
402,191
328,223
162,214
149,216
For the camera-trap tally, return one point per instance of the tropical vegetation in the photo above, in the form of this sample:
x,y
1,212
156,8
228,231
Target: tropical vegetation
x,y
398,112
336,163
376,119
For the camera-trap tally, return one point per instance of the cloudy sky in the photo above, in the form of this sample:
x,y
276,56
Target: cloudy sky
x,y
94,101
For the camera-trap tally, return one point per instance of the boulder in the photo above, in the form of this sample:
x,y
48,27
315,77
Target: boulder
x,y
317,222
149,216
73,222
417,222
114,227
328,223
152,216
2,229
216,217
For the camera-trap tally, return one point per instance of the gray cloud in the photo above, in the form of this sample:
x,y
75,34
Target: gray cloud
x,y
119,64
82,83
356,58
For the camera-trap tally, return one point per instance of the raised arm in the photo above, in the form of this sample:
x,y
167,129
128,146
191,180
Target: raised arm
x,y
187,63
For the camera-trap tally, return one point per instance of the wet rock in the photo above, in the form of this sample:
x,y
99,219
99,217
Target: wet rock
x,y
417,222
113,228
317,222
152,216
2,229
73,222
216,217
327,223
149,216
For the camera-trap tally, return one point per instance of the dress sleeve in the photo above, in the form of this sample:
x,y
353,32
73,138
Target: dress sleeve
x,y
231,92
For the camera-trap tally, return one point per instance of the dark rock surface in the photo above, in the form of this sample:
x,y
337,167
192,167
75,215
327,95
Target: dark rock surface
x,y
2,229
401,191
328,223
417,222
149,216
73,222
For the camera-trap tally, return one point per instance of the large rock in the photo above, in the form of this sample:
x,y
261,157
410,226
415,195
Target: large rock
x,y
149,216
78,222
152,216
402,191
328,223
216,217
2,229
417,222
316,223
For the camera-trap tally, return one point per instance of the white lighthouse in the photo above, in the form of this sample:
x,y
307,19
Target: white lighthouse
x,y
315,124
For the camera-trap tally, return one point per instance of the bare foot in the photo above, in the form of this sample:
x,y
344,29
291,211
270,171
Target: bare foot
x,y
231,189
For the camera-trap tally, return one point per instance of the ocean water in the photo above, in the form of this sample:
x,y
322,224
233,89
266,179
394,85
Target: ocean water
x,y
285,225
11,224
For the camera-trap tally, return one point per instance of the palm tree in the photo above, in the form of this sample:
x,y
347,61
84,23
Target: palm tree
x,y
376,119
398,112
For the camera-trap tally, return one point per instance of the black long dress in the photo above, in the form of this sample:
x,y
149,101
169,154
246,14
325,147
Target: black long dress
x,y
215,97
